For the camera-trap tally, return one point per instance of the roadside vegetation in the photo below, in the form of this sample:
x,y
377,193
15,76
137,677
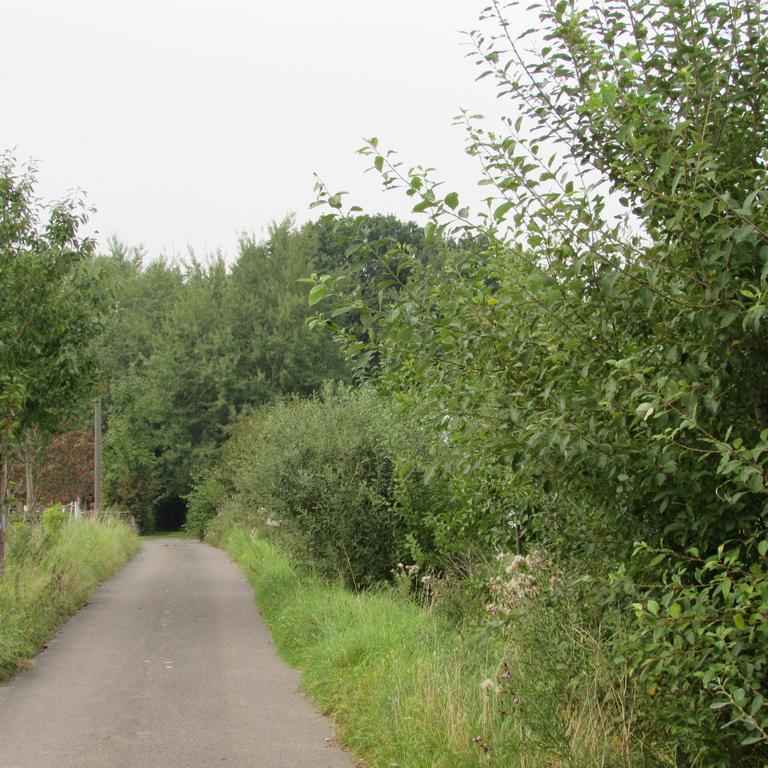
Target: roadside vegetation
x,y
51,310
572,380
50,571
408,686
499,480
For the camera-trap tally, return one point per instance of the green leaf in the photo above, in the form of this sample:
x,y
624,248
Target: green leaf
x,y
502,210
353,249
452,200
727,318
652,607
317,294
743,231
645,411
344,310
706,208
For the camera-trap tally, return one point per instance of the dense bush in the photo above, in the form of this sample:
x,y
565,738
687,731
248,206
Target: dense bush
x,y
321,473
601,365
203,502
701,644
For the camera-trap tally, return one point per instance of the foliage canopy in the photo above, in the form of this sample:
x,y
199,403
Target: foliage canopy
x,y
597,372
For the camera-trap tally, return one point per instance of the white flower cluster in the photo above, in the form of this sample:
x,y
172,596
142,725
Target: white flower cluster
x,y
516,585
490,686
409,571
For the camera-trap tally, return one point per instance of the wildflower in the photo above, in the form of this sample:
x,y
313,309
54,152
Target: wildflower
x,y
482,744
489,686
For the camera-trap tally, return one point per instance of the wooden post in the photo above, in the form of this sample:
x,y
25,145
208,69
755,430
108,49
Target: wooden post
x,y
3,527
3,516
97,456
29,487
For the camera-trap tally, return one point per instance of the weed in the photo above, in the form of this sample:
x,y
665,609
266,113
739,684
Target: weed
x,y
407,687
48,576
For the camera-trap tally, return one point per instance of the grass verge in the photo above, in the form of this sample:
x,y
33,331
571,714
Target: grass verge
x,y
407,688
49,575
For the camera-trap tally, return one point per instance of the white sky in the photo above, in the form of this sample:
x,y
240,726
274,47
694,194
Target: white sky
x,y
188,122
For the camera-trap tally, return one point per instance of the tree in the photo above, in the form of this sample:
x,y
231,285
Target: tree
x,y
49,313
601,367
190,347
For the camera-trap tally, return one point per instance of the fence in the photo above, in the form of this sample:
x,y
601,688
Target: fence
x,y
75,510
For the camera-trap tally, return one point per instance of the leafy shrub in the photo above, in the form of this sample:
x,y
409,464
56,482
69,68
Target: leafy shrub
x,y
322,475
202,503
54,519
319,470
611,367
699,651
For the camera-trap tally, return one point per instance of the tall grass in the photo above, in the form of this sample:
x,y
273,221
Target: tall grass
x,y
49,574
408,688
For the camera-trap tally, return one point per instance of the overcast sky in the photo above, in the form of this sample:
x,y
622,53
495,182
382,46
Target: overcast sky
x,y
189,122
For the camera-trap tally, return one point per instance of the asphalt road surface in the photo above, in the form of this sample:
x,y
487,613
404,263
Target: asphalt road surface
x,y
169,665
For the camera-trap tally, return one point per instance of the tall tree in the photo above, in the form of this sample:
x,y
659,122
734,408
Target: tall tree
x,y
50,310
601,366
191,346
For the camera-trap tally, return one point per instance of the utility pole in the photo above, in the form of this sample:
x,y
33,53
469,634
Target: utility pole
x,y
3,516
97,456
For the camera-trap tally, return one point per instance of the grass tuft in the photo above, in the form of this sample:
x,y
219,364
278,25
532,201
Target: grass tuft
x,y
49,575
404,685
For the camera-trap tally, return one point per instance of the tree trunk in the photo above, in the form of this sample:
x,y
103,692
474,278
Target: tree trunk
x,y
3,516
3,526
28,473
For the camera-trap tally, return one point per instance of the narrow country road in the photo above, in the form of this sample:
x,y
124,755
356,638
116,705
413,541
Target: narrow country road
x,y
169,666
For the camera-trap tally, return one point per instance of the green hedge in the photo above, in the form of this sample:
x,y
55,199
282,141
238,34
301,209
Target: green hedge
x,y
326,476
